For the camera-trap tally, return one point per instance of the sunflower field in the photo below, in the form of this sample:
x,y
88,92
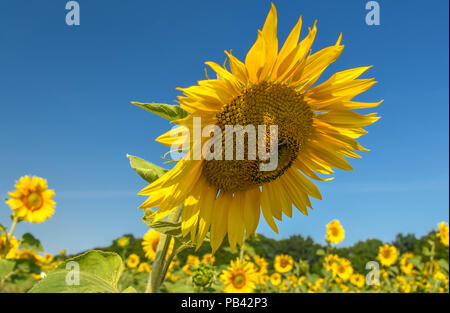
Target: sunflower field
x,y
204,210
261,265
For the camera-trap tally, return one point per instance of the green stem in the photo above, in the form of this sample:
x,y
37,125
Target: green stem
x,y
156,277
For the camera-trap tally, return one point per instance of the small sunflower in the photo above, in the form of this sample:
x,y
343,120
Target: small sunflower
x,y
32,201
12,245
239,277
405,266
276,279
144,268
317,128
208,258
133,260
335,232
123,241
150,244
329,260
443,233
343,269
193,260
357,280
261,264
387,255
283,263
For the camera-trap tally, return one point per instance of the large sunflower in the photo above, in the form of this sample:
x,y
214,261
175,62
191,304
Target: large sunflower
x,y
316,129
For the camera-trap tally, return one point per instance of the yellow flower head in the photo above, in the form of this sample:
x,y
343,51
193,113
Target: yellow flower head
x,y
239,277
32,201
144,268
150,244
358,280
335,232
316,124
192,260
187,269
12,245
261,264
343,269
283,263
443,233
406,266
275,279
208,258
329,260
123,241
387,255
133,260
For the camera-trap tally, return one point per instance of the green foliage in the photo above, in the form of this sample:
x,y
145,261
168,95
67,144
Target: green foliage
x,y
98,272
148,171
30,243
167,111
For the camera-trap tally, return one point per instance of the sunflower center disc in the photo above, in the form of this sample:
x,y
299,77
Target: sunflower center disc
x,y
34,199
262,104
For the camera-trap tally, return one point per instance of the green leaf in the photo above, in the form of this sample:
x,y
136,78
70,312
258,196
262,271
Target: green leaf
x,y
320,252
148,171
6,267
2,229
30,243
443,264
426,251
97,271
167,111
27,266
130,289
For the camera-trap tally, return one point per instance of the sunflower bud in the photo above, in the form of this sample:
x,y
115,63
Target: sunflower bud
x,y
203,276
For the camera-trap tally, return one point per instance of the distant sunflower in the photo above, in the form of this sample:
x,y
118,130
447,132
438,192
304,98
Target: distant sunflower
x,y
32,201
208,258
343,269
387,255
239,277
316,130
150,244
144,268
335,232
406,266
283,263
276,279
357,280
133,260
443,231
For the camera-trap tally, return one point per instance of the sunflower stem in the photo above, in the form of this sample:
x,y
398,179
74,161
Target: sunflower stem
x,y
10,234
241,254
156,277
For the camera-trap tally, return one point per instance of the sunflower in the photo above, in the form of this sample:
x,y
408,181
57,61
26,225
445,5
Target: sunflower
x,y
239,277
192,260
11,245
208,258
144,268
443,233
32,201
387,255
275,279
261,264
123,241
316,130
133,260
150,244
357,280
343,269
405,266
329,260
335,232
283,263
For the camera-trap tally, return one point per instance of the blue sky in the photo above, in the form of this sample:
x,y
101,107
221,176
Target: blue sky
x,y
65,113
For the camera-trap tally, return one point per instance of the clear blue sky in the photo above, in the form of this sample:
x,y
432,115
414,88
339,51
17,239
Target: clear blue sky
x,y
65,113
